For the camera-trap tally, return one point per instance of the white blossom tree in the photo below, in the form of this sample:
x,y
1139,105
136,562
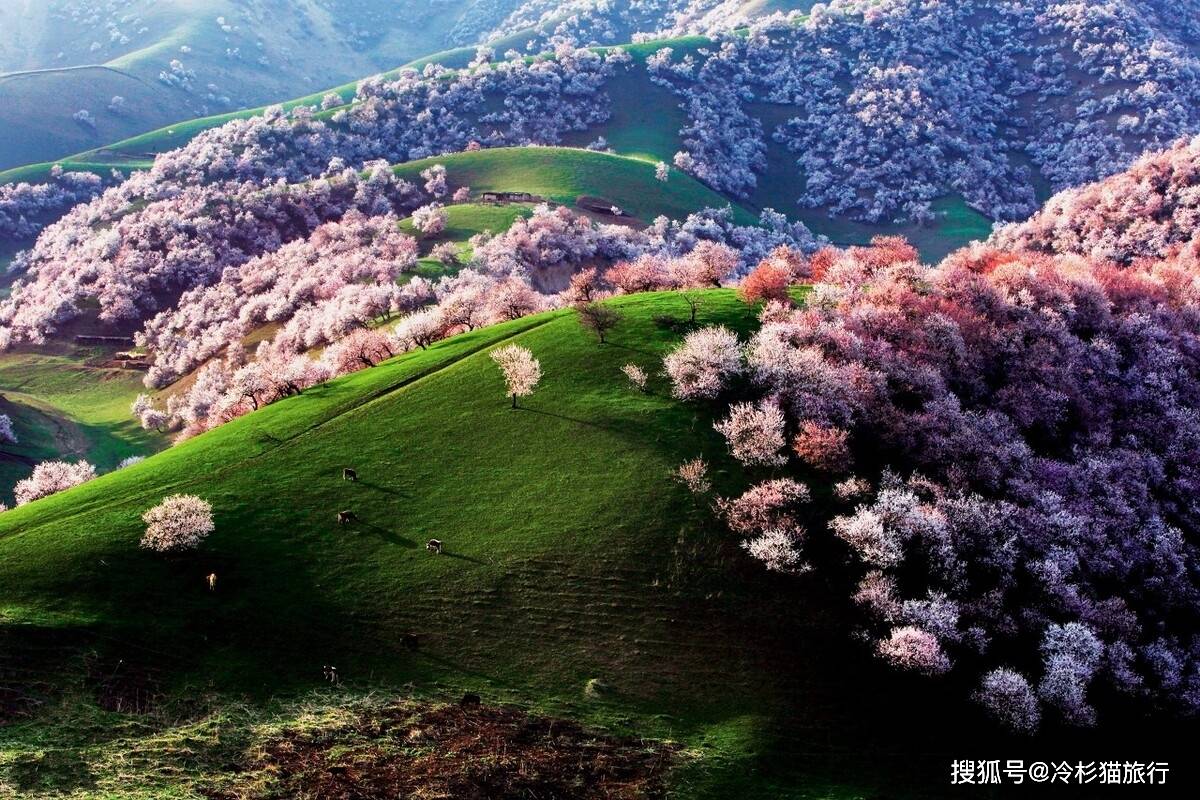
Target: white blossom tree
x,y
521,370
179,522
51,477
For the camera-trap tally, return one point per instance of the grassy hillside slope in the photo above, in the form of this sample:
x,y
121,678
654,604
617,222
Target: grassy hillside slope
x,y
239,54
64,408
570,557
565,174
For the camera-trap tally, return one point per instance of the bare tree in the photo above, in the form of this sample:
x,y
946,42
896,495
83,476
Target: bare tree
x,y
598,318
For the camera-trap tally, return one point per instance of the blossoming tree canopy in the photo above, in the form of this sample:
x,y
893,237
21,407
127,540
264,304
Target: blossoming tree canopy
x,y
521,370
180,522
51,477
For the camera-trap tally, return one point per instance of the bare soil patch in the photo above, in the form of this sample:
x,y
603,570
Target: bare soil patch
x,y
471,752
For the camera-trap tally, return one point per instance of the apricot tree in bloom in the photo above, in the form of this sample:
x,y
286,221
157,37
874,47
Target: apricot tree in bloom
x,y
767,281
435,180
694,475
430,220
778,551
179,522
911,648
822,447
521,370
1008,697
637,376
363,348
420,329
50,477
704,363
755,433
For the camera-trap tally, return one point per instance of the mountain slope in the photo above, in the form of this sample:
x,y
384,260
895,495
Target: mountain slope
x,y
563,532
170,61
564,175
174,60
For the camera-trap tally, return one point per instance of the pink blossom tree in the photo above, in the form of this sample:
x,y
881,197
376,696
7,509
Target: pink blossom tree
x,y
7,434
755,433
701,367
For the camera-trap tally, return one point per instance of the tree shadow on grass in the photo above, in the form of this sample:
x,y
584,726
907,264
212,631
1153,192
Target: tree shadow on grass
x,y
641,350
587,422
462,557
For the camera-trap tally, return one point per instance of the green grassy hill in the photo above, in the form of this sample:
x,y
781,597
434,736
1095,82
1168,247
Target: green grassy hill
x,y
562,175
51,67
571,556
63,406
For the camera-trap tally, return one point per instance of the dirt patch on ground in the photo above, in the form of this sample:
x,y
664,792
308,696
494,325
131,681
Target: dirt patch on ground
x,y
464,753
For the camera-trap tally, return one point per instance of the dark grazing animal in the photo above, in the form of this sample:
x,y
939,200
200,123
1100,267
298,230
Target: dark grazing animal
x,y
434,545
346,517
470,699
409,640
349,475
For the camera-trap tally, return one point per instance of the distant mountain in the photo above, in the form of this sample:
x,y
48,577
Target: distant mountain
x,y
75,75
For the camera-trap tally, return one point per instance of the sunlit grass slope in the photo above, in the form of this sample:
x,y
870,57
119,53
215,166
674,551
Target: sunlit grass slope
x,y
570,556
564,174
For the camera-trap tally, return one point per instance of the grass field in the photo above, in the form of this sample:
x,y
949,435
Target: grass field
x,y
571,557
564,174
63,408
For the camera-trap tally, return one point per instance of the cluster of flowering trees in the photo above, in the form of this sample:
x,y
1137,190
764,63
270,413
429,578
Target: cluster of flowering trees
x,y
342,276
135,259
1147,211
336,288
590,22
24,205
898,103
1014,444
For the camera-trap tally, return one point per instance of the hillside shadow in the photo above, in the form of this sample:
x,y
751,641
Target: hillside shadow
x,y
377,487
640,350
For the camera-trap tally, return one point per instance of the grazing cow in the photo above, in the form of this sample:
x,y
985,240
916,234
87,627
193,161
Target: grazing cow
x,y
346,517
434,546
470,699
409,640
212,581
349,475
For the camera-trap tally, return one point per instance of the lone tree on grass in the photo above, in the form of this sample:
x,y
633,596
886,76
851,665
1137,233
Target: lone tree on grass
x,y
180,522
694,300
598,319
520,369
